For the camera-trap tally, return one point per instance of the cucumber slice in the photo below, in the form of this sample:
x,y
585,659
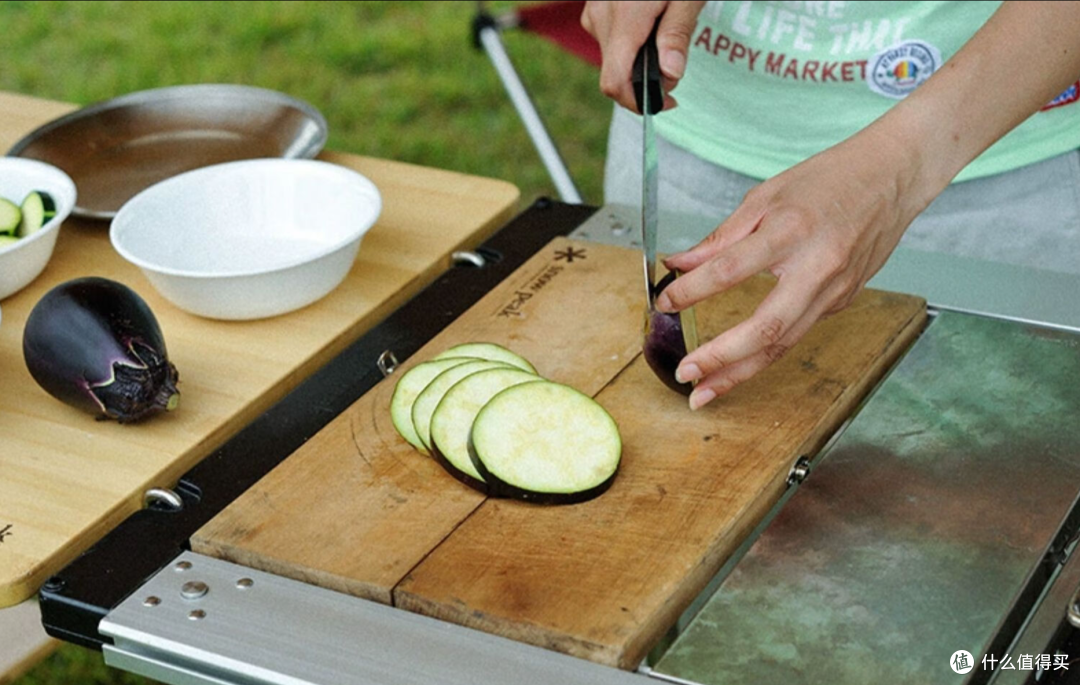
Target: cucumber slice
x,y
454,415
37,208
487,350
10,216
429,397
545,442
6,240
408,387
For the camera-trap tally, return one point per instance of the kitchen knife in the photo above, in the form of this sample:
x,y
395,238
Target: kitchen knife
x,y
649,94
665,344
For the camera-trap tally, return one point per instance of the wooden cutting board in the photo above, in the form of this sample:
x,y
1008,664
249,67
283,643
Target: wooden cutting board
x,y
357,510
66,479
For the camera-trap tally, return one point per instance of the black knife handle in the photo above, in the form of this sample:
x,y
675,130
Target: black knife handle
x,y
648,82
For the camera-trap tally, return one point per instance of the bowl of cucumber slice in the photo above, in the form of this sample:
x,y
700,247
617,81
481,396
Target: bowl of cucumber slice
x,y
35,198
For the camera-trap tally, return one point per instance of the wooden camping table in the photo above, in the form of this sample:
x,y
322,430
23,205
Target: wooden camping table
x,y
357,511
602,580
66,479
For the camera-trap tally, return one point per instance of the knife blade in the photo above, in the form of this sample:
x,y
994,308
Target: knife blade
x,y
649,95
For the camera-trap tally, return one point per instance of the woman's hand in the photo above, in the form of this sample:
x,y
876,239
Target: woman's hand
x,y
823,228
621,28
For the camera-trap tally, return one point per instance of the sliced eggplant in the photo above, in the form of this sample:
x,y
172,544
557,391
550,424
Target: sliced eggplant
x,y
453,419
488,350
545,442
10,216
411,384
429,397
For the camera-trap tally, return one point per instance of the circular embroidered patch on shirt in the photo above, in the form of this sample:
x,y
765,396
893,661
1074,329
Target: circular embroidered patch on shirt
x,y
896,71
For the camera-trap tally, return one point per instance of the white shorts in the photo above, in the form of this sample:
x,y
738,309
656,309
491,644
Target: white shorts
x,y
1030,216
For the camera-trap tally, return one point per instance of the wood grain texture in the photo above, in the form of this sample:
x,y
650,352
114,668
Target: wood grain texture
x,y
604,580
358,510
355,508
66,479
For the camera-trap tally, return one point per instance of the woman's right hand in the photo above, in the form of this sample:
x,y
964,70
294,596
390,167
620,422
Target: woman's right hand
x,y
622,28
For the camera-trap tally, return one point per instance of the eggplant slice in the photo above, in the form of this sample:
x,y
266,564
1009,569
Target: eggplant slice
x,y
545,442
454,416
488,350
429,397
408,387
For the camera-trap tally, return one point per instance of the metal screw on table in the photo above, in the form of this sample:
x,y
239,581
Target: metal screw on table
x,y
244,583
468,257
1072,614
197,615
162,498
151,601
799,471
194,589
182,566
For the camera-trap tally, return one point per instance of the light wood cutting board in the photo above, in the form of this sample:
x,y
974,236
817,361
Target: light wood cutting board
x,y
66,479
356,509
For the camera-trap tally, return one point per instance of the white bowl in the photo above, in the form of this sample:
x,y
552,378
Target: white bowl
x,y
248,239
24,260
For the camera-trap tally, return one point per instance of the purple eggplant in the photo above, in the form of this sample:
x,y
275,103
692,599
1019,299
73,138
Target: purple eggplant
x,y
94,344
669,338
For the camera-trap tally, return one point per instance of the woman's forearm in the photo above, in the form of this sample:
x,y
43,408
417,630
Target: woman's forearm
x,y
1025,55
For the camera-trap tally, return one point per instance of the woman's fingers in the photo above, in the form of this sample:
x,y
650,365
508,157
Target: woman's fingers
x,y
621,28
728,377
742,222
767,334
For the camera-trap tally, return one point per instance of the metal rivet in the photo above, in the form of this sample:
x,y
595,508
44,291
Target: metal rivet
x,y
467,257
197,615
194,589
182,565
244,583
386,363
164,498
151,601
1072,614
799,471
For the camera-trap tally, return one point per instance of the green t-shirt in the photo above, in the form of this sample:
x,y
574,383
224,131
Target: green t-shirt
x,y
768,84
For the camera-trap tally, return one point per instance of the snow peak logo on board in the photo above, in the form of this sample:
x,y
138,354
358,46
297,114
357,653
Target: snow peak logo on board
x,y
537,281
5,531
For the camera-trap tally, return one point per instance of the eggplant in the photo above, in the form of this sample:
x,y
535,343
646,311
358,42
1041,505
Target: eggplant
x,y
454,416
669,338
491,351
408,388
95,344
546,443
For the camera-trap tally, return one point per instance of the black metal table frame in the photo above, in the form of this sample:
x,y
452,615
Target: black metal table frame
x,y
74,600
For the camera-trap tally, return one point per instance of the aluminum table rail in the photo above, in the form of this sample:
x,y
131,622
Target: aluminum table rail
x,y
202,620
210,621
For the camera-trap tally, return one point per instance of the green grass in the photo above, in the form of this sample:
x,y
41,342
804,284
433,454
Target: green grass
x,y
396,80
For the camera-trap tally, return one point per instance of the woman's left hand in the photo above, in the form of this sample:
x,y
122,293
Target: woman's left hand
x,y
823,228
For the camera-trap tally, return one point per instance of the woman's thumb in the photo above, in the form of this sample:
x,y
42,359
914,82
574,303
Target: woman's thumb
x,y
673,37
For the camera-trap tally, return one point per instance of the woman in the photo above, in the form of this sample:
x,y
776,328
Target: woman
x,y
858,116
